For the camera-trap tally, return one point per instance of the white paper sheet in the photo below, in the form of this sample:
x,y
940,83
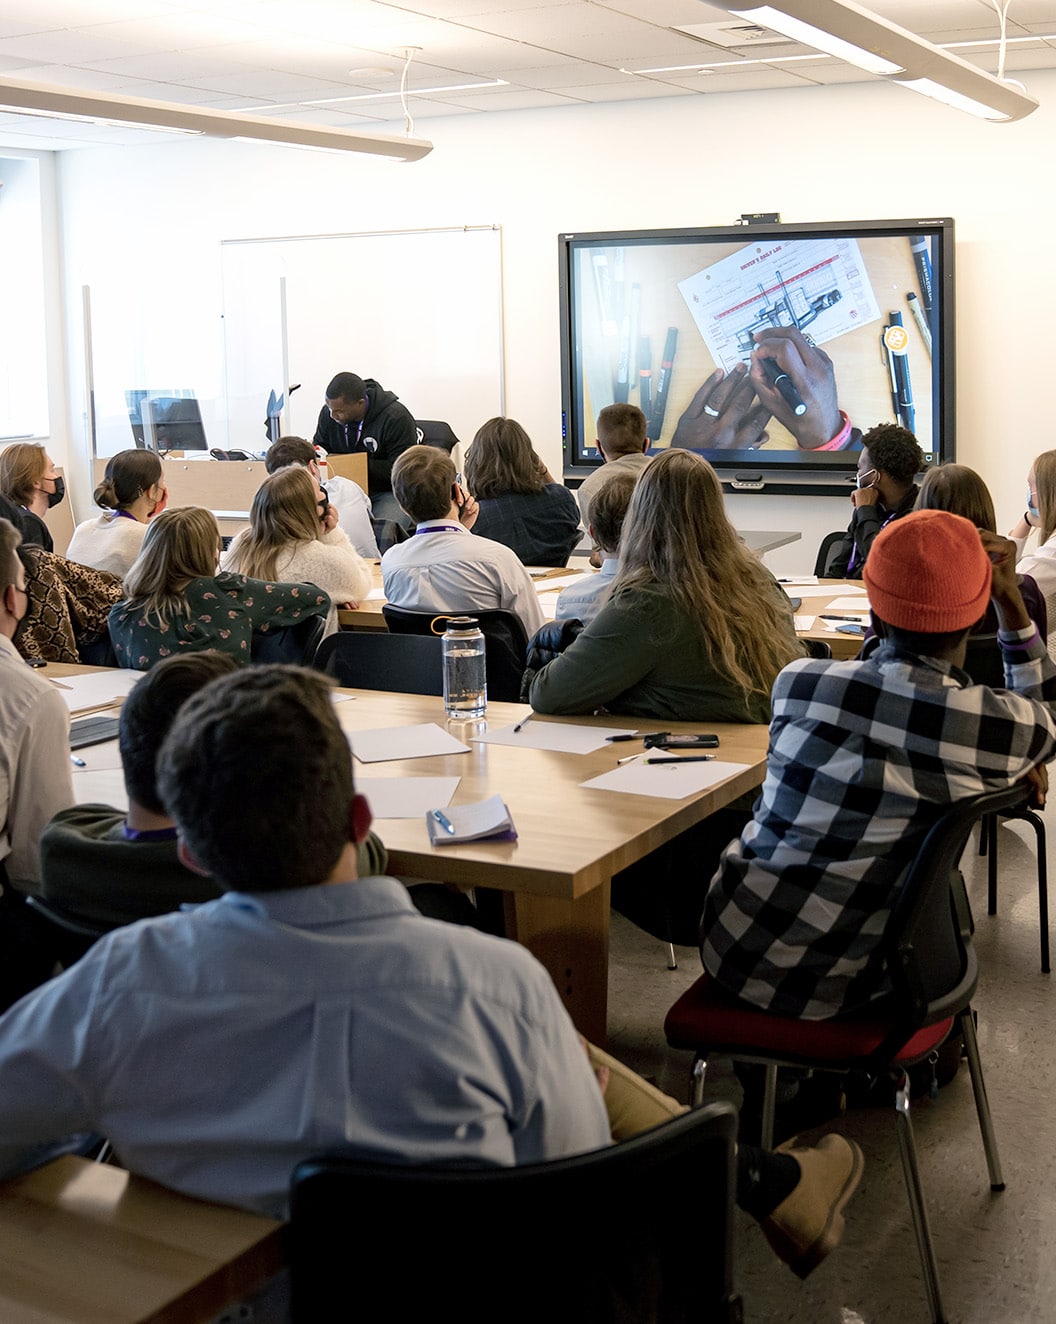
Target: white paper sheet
x,y
100,786
822,591
562,581
848,603
406,797
667,781
375,595
797,581
95,689
803,622
560,737
385,743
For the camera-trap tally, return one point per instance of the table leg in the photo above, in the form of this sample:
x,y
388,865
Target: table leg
x,y
570,938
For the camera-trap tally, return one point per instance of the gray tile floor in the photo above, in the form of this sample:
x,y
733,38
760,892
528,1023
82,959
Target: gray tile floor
x,y
997,1253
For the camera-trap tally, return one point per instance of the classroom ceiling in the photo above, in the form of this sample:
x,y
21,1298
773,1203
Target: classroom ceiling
x,y
339,62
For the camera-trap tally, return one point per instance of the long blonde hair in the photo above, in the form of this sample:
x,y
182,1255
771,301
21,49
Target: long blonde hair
x,y
285,512
180,545
677,538
22,465
1045,490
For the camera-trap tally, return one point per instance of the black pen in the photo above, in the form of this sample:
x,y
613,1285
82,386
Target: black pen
x,y
686,758
612,740
854,620
783,383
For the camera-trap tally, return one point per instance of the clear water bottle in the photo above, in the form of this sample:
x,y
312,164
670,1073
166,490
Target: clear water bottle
x,y
465,683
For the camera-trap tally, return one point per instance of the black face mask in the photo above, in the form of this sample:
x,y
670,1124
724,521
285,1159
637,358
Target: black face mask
x,y
60,491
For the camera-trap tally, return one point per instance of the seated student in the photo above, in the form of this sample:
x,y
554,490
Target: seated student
x,y
177,600
66,619
889,461
521,505
29,480
354,513
622,444
293,535
960,490
34,783
582,602
864,757
132,492
1040,563
109,867
440,568
695,628
310,1007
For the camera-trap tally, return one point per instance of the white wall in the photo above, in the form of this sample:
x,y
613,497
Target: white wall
x,y
151,219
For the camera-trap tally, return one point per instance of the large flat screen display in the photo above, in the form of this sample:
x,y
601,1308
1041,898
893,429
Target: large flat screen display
x,y
767,348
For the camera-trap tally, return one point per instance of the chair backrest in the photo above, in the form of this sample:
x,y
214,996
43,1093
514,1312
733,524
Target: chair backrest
x,y
407,663
505,643
435,432
295,645
927,941
71,936
826,551
387,533
586,1238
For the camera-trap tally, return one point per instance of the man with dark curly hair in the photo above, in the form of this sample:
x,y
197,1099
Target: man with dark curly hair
x,y
890,459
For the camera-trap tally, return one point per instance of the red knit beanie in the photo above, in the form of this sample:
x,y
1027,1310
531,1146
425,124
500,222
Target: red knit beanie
x,y
928,573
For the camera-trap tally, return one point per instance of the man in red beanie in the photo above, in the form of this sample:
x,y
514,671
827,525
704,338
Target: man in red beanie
x,y
864,757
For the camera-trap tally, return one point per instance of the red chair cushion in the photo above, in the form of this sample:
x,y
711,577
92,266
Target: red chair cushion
x,y
706,1018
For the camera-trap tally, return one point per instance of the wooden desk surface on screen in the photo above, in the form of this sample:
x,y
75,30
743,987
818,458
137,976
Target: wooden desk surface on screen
x,y
84,1241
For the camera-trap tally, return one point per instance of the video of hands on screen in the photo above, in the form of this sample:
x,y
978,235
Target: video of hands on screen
x,y
758,347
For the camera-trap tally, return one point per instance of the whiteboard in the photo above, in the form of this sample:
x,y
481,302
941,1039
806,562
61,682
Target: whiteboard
x,y
418,310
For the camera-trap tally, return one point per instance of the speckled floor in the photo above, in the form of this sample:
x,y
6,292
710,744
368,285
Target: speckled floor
x,y
997,1253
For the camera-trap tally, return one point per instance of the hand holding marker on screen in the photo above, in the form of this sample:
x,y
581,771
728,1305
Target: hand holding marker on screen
x,y
810,373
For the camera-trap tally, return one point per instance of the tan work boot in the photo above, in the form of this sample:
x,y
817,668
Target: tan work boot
x,y
808,1223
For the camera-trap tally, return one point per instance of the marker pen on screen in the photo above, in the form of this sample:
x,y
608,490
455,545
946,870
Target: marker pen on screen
x,y
784,383
920,319
921,251
645,373
663,385
896,344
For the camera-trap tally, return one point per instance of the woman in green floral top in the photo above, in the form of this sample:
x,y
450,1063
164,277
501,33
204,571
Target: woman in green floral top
x,y
178,602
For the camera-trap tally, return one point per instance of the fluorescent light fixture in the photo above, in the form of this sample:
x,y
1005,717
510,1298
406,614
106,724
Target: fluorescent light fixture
x,y
837,40
862,38
137,112
719,64
377,96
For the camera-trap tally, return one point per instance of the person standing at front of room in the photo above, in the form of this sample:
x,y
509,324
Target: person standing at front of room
x,y
361,417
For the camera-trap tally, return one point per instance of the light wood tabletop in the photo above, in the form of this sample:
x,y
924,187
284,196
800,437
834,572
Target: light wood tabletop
x,y
85,1243
571,840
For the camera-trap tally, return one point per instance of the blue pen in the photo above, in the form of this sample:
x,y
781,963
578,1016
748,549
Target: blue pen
x,y
444,822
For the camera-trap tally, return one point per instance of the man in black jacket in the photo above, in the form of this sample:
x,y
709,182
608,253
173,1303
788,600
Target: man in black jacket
x,y
361,417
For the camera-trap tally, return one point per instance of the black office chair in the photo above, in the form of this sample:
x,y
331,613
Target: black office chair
x,y
505,643
387,533
817,648
932,969
71,935
434,432
407,663
296,645
562,1241
826,552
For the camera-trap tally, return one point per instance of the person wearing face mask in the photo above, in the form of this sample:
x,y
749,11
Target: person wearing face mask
x,y
35,784
29,479
1040,514
132,493
889,461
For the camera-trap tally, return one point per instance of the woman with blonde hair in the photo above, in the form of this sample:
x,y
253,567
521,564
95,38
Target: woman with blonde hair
x,y
695,626
132,493
1040,514
293,534
177,601
28,478
520,503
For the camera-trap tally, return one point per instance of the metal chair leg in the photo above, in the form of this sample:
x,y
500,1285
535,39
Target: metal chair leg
x,y
914,1190
672,959
700,1070
982,1104
766,1130
1043,885
990,827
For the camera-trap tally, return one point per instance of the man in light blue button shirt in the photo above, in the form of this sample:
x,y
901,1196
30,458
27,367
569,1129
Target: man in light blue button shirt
x,y
304,1009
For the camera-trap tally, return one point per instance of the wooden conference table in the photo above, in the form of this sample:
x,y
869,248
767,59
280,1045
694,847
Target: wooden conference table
x,y
82,1241
570,840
